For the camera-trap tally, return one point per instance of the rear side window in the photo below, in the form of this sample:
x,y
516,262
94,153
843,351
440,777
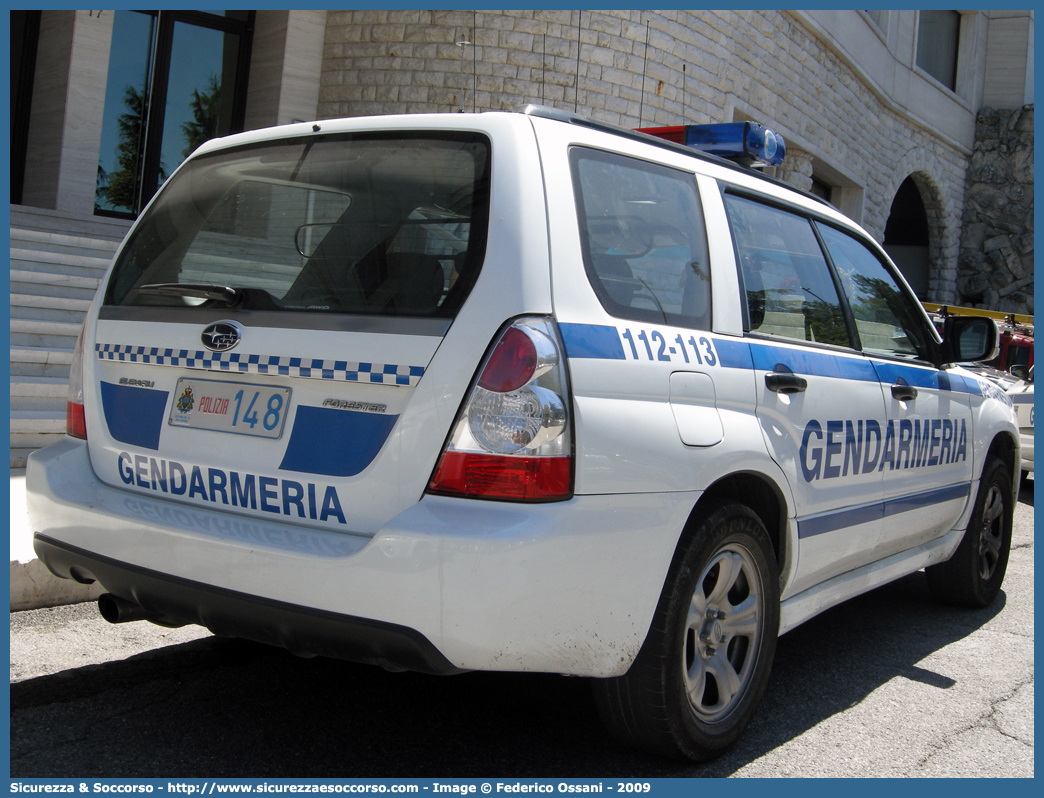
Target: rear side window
x,y
789,289
388,224
643,238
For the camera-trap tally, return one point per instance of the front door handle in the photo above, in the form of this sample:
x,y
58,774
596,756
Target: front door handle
x,y
903,392
785,383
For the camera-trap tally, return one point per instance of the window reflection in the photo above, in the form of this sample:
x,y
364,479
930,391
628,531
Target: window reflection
x,y
123,128
199,103
174,81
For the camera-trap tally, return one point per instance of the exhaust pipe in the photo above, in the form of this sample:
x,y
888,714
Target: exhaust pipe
x,y
117,610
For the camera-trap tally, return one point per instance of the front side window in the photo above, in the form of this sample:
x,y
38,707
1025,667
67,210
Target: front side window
x,y
789,289
389,224
643,238
887,321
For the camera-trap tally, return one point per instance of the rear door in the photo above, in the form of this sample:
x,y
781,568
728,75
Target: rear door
x,y
268,323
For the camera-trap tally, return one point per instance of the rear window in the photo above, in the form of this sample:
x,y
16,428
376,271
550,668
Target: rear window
x,y
643,239
359,224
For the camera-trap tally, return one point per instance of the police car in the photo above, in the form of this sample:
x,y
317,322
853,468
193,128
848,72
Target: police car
x,y
519,392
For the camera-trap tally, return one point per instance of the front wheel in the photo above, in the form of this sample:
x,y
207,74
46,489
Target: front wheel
x,y
973,576
697,680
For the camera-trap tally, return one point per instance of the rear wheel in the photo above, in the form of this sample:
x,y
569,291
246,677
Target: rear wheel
x,y
704,666
973,576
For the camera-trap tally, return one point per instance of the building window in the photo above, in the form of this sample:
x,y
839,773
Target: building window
x,y
175,80
822,189
879,17
938,34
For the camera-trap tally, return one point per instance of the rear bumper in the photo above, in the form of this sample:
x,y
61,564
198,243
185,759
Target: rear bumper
x,y
447,585
304,631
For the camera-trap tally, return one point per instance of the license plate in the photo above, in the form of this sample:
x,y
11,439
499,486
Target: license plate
x,y
233,407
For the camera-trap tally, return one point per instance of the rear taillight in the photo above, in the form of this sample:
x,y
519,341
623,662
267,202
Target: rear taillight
x,y
75,419
513,439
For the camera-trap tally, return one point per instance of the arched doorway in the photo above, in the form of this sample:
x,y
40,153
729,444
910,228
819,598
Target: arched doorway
x,y
906,236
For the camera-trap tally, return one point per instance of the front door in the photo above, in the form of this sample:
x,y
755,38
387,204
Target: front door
x,y
818,397
925,451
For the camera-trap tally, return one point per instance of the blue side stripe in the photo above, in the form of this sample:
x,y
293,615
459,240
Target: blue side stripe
x,y
842,519
602,342
591,341
931,379
831,522
919,500
813,364
733,354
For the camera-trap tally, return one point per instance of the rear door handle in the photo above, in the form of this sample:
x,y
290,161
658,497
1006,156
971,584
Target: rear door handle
x,y
785,383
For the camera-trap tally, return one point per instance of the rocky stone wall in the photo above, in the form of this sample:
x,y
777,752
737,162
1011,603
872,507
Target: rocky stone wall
x,y
996,259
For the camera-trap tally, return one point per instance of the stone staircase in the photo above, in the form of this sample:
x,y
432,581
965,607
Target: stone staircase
x,y
57,262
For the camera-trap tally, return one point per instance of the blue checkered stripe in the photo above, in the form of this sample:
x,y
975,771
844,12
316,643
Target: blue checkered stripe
x,y
339,370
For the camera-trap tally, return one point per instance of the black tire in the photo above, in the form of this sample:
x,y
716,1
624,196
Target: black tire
x,y
689,693
973,576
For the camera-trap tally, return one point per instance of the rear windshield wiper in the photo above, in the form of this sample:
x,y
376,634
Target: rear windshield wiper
x,y
221,293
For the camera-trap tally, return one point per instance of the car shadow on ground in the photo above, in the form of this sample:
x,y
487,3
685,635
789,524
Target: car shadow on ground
x,y
225,708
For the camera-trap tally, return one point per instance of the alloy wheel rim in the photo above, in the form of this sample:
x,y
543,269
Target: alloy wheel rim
x,y
991,533
722,634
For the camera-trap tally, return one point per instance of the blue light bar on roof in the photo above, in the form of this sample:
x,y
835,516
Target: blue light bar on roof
x,y
747,143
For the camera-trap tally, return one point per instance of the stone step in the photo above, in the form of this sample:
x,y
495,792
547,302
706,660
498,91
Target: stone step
x,y
38,393
99,236
40,311
46,334
38,241
48,387
37,421
74,280
54,404
39,362
47,221
49,303
56,290
58,263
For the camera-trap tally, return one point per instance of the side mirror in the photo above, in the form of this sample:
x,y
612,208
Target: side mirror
x,y
969,339
1020,371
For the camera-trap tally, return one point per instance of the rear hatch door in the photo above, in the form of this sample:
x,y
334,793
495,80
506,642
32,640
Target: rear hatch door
x,y
266,326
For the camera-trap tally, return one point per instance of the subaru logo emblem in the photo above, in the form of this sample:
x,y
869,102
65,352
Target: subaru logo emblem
x,y
221,336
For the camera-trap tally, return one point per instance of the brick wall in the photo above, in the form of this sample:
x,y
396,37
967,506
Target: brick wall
x,y
698,67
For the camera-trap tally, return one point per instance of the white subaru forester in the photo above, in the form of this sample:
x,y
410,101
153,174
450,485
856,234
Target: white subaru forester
x,y
518,392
